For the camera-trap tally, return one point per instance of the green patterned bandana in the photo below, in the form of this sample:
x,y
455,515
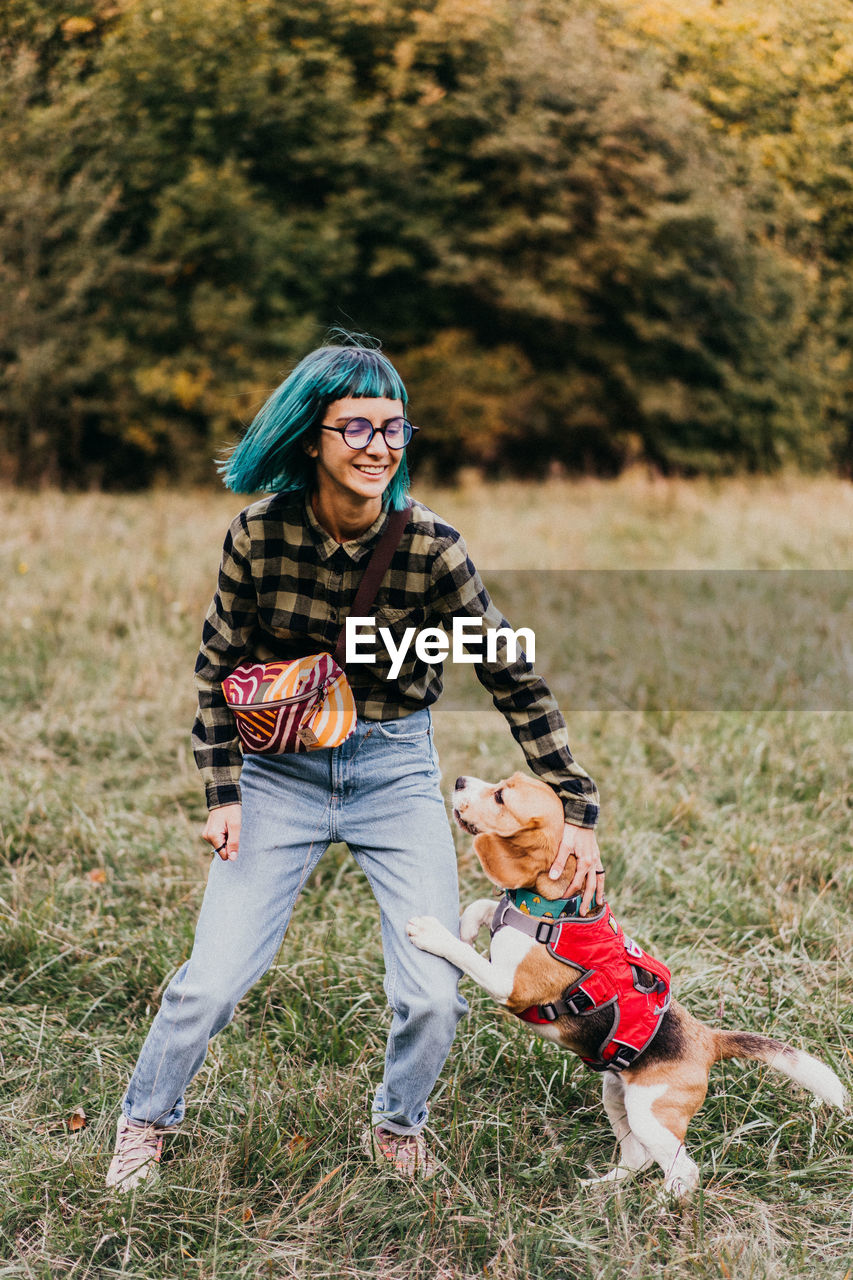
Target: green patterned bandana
x,y
533,904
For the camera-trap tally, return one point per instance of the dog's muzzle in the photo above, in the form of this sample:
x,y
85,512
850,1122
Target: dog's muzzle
x,y
473,787
466,826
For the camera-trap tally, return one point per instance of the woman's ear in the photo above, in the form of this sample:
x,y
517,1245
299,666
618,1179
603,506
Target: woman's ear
x,y
310,446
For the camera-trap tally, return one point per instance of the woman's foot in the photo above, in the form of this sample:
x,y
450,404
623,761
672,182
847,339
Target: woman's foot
x,y
406,1153
137,1154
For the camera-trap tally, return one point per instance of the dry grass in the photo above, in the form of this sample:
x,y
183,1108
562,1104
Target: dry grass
x,y
727,837
644,521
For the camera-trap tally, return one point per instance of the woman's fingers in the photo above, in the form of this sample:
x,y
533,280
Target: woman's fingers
x,y
581,843
222,830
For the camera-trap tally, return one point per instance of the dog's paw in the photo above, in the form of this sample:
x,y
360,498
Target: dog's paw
x,y
470,924
671,1200
676,1192
429,934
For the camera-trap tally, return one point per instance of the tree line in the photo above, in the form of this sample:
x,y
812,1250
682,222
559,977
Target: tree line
x,y
588,234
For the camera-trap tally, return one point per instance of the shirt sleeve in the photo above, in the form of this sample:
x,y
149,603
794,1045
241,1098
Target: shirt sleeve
x,y
230,623
518,693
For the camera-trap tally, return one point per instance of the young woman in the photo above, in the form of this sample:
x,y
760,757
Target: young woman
x,y
330,447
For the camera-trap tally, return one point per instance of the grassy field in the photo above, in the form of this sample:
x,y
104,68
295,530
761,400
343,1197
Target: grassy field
x,y
727,838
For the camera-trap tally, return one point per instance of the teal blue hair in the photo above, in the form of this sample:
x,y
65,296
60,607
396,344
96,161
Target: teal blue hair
x,y
271,456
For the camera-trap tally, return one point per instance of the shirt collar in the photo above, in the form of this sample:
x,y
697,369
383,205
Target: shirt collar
x,y
355,548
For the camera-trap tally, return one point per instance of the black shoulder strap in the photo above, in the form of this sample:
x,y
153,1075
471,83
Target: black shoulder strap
x,y
380,559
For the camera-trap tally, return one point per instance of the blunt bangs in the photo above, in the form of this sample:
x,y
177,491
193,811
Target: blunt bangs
x,y
271,456
358,371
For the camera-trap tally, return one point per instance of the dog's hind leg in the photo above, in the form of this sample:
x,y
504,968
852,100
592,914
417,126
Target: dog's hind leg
x,y
633,1156
664,1137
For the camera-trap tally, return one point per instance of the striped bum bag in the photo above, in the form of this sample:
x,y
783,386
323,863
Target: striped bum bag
x,y
307,703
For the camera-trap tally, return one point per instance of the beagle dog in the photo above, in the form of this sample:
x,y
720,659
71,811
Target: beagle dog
x,y
517,825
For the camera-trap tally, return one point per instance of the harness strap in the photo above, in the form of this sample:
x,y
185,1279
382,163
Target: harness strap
x,y
371,580
533,926
545,931
576,1005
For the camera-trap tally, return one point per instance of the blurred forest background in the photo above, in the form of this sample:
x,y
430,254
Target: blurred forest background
x,y
590,234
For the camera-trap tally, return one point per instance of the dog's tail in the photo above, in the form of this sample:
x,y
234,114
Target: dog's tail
x,y
802,1067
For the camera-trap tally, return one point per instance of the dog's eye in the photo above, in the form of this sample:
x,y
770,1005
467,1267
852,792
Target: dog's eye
x,y
499,796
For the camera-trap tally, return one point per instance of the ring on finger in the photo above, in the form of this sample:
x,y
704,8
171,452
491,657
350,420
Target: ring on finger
x,y
221,847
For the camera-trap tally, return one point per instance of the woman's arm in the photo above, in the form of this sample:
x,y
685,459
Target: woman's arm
x,y
229,627
530,710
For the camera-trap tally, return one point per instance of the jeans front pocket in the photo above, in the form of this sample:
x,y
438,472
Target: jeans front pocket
x,y
410,740
410,730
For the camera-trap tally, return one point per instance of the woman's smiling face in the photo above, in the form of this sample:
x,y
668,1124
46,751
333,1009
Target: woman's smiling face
x,y
361,474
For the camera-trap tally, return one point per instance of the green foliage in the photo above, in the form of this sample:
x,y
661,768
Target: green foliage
x,y
589,236
57,267
771,81
599,235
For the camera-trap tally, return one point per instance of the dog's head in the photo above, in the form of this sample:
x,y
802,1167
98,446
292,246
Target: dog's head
x,y
517,825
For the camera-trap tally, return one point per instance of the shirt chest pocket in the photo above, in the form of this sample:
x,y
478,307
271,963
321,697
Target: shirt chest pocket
x,y
392,637
398,621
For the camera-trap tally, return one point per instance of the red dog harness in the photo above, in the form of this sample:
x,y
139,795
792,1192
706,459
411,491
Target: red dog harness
x,y
615,974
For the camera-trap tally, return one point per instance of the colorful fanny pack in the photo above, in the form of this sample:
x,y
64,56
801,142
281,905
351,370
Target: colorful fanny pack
x,y
307,703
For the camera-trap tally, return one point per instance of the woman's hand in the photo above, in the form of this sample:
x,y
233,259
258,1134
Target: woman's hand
x,y
222,830
589,873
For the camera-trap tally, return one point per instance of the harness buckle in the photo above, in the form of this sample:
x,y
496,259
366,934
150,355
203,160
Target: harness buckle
x,y
548,1012
579,1002
623,1057
544,929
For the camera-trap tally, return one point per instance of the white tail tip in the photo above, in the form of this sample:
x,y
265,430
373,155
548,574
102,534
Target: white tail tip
x,y
811,1074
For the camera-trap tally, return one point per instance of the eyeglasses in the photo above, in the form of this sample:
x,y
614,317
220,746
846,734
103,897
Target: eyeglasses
x,y
358,432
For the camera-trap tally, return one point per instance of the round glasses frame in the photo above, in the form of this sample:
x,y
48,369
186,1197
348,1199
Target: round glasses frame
x,y
359,432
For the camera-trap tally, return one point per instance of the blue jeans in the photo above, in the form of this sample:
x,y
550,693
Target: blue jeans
x,y
378,792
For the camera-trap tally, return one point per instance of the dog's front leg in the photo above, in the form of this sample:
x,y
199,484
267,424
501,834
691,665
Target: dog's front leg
x,y
429,934
474,917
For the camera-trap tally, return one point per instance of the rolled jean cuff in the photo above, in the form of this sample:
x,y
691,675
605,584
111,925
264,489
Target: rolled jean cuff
x,y
379,1122
379,1119
169,1125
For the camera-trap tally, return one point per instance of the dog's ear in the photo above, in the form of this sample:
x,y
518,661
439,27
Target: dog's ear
x,y
505,863
514,862
498,864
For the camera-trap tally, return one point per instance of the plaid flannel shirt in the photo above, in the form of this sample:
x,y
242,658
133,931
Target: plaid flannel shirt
x,y
285,589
